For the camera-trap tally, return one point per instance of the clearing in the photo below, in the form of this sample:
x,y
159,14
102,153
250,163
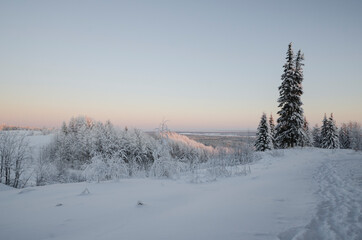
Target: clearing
x,y
289,194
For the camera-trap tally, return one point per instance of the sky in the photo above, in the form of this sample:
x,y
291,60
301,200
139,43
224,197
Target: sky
x,y
200,65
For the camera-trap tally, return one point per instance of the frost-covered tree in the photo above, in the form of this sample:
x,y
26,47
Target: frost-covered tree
x,y
345,136
15,154
272,130
87,150
329,133
289,129
307,139
350,136
324,128
316,133
164,165
64,128
356,135
263,138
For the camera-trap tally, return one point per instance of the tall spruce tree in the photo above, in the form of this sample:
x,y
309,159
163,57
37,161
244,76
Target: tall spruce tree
x,y
272,130
289,129
329,133
263,139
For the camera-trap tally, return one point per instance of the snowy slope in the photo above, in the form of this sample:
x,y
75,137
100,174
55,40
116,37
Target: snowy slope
x,y
300,194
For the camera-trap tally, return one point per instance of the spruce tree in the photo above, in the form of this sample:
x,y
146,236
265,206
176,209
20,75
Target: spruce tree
x,y
307,139
289,129
263,139
272,130
316,133
334,132
324,130
329,134
355,135
345,136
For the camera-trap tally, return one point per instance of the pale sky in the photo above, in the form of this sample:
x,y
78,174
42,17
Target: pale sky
x,y
202,65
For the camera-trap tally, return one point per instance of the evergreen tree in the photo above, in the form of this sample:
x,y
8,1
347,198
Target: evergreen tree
x,y
355,135
324,130
263,139
316,133
329,134
272,130
345,136
307,140
289,129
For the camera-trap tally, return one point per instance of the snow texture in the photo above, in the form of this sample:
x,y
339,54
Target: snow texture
x,y
289,194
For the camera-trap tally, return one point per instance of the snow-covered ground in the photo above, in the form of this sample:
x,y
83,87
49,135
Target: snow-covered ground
x,y
290,194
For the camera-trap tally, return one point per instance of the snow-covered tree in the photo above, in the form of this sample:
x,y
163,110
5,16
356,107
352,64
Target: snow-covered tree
x,y
350,136
64,128
164,165
289,129
316,133
15,154
263,138
356,135
272,130
324,128
345,136
307,139
329,133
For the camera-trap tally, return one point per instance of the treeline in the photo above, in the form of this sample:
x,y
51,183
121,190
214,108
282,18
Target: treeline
x,y
292,128
348,136
88,150
5,127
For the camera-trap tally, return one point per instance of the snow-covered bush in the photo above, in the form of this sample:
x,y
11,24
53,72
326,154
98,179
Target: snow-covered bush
x,y
185,149
231,161
96,170
101,169
45,170
165,166
138,149
88,150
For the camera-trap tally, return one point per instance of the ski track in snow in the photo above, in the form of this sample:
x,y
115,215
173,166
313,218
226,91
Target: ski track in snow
x,y
339,211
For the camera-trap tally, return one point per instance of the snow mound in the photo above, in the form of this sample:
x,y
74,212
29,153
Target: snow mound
x,y
4,187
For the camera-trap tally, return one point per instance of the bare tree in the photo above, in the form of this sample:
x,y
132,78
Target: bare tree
x,y
14,152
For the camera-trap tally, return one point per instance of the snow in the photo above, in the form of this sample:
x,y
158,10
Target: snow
x,y
38,140
289,194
